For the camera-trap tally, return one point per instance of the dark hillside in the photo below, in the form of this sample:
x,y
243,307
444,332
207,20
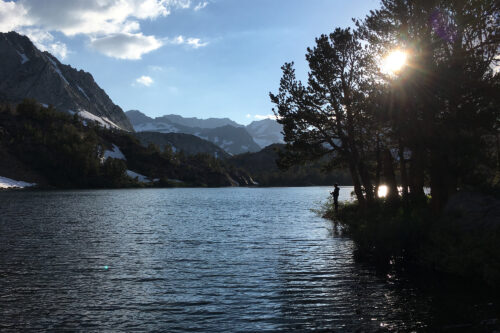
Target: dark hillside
x,y
263,168
55,149
187,143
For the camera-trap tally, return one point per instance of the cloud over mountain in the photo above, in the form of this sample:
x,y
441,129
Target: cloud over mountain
x,y
113,26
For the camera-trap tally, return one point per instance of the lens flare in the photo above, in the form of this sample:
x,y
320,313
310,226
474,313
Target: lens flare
x,y
394,62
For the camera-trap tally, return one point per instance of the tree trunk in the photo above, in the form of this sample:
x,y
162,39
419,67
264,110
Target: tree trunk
x,y
439,191
366,180
417,174
357,184
402,170
379,167
390,176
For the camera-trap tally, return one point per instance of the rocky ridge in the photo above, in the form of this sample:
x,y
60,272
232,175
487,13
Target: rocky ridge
x,y
27,72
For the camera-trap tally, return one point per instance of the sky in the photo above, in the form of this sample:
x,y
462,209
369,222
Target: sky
x,y
195,58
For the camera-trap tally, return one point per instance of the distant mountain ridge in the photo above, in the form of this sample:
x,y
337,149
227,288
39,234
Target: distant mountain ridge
x,y
201,123
230,136
27,72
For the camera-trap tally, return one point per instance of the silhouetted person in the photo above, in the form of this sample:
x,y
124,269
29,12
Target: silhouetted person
x,y
335,194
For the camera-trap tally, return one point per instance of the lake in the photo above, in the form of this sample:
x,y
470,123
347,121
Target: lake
x,y
211,260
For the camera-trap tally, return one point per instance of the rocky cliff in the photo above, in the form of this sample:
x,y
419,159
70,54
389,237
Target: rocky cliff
x,y
27,72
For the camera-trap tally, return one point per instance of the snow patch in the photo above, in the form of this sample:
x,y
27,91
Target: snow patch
x,y
58,71
105,122
140,178
83,92
115,153
24,58
11,183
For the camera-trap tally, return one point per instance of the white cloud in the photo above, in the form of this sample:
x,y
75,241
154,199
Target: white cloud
x,y
112,25
193,42
183,4
145,80
45,41
126,45
196,42
11,15
248,115
201,5
92,16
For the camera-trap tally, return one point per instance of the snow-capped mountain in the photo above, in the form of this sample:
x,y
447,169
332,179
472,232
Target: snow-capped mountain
x,y
27,72
234,140
265,132
230,136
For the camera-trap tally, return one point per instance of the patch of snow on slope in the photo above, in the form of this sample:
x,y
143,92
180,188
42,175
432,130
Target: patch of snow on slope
x,y
115,153
244,147
11,183
140,178
83,92
106,119
105,122
58,71
24,58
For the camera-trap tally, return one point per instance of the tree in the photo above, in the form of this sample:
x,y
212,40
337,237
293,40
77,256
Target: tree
x,y
328,116
437,118
442,101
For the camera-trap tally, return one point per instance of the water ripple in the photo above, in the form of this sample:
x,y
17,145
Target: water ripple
x,y
183,260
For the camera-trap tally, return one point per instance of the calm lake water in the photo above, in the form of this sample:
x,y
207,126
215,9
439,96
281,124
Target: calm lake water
x,y
211,260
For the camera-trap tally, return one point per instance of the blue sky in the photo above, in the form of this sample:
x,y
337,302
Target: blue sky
x,y
214,58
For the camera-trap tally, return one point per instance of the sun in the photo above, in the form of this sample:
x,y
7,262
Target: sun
x,y
393,62
382,191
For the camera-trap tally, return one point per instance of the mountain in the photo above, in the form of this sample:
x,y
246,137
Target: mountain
x,y
233,139
137,117
54,149
187,143
265,132
227,134
201,123
27,72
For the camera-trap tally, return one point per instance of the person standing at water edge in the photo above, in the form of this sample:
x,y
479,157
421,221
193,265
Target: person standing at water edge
x,y
335,194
